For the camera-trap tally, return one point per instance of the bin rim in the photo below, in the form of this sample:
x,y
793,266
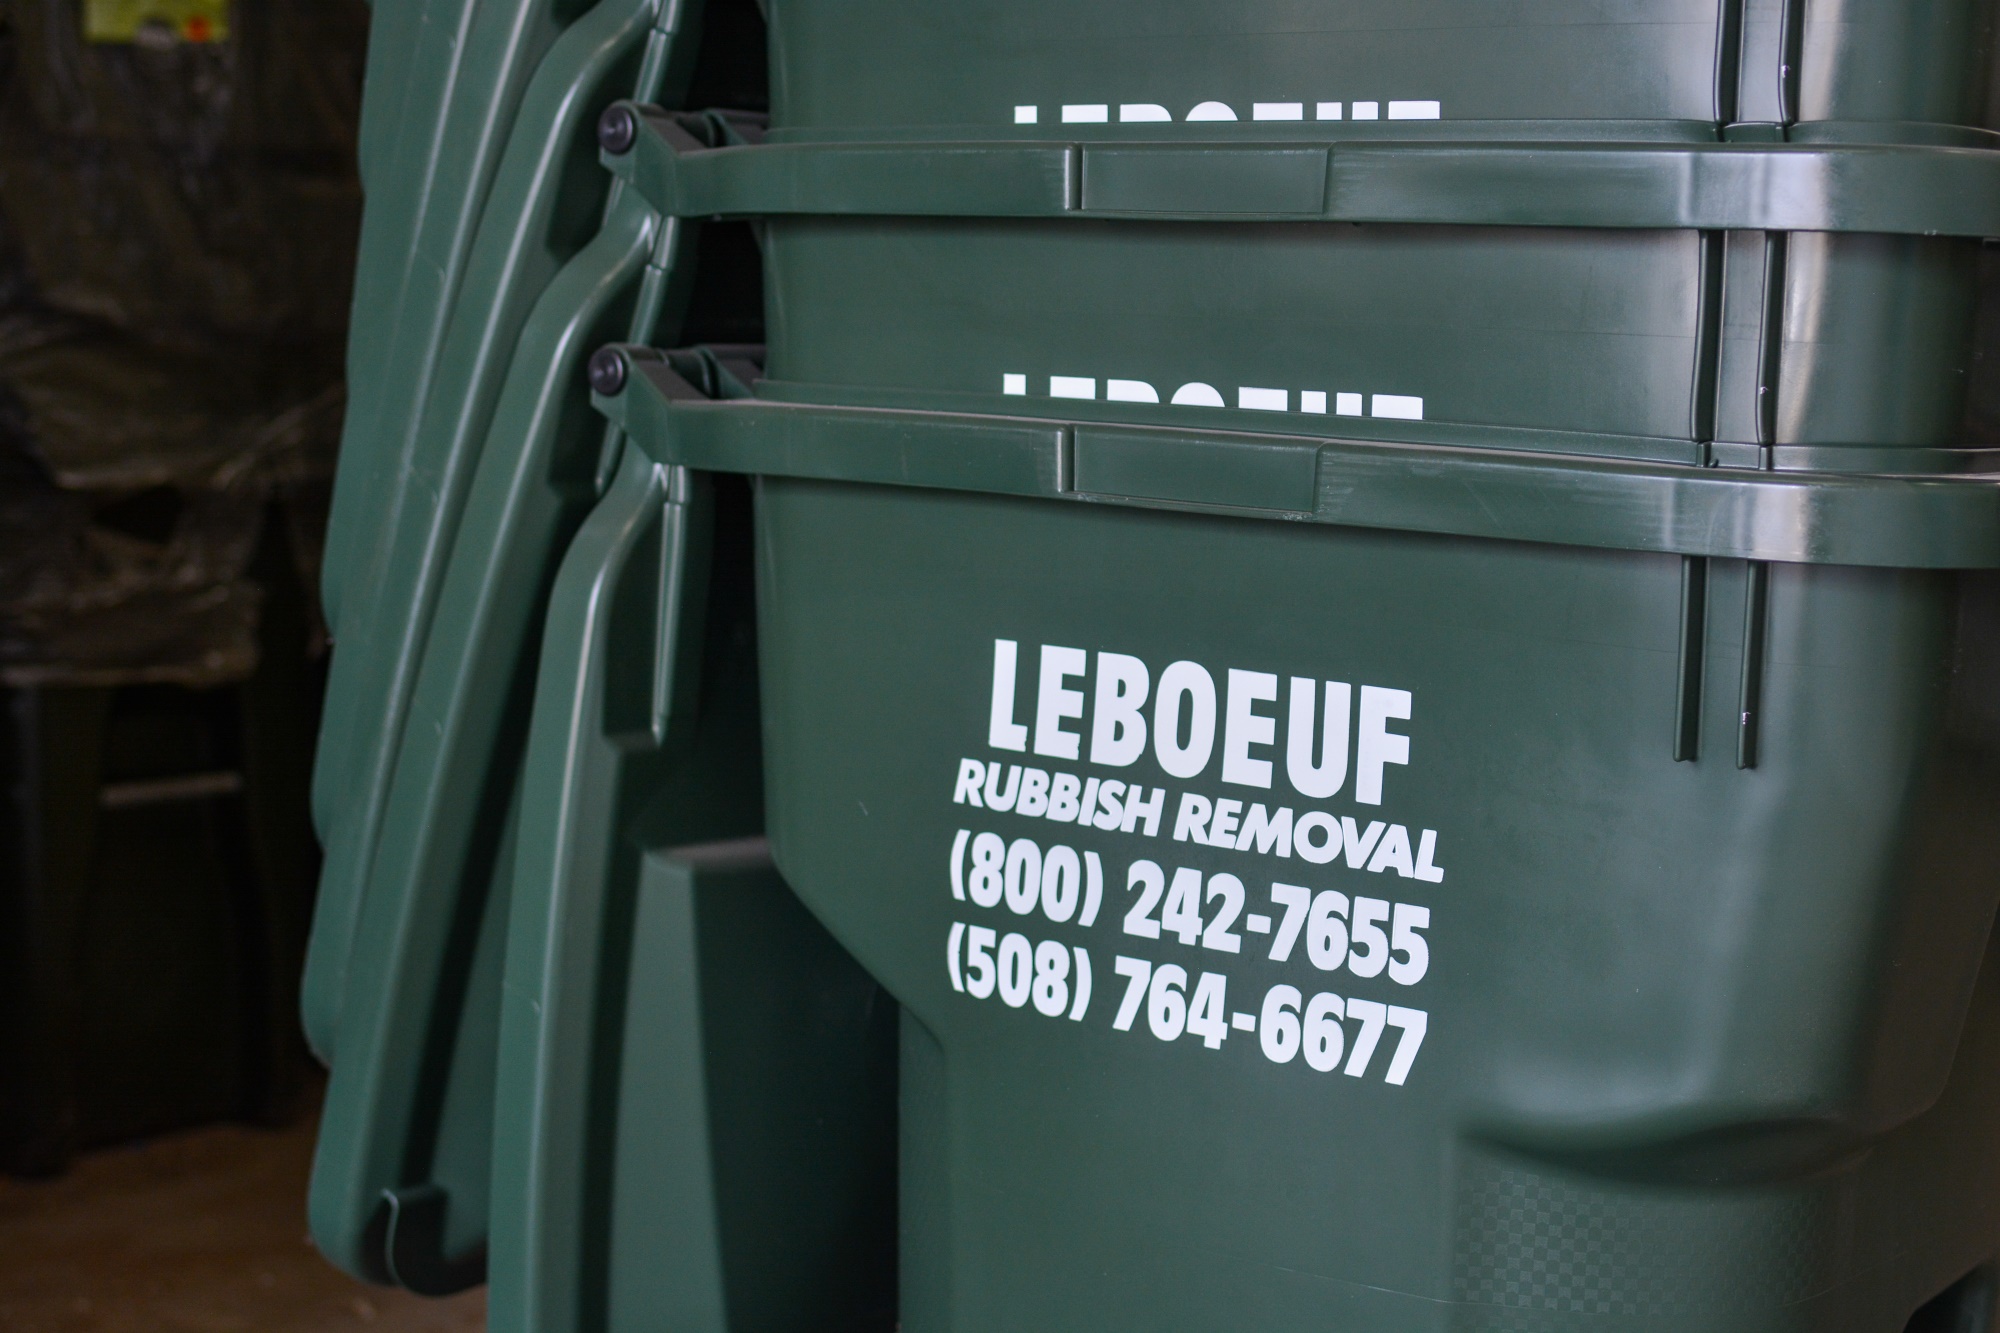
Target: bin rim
x,y
1949,521
1908,188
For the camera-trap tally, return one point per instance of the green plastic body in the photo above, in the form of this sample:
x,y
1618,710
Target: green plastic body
x,y
402,1108
765,1183
645,716
399,1181
1615,961
1760,61
1696,1053
545,205
1582,423
433,134
432,714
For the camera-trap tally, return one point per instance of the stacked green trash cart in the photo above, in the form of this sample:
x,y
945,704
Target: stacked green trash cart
x,y
1324,667
497,255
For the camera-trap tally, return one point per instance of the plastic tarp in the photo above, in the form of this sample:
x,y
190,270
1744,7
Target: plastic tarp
x,y
177,227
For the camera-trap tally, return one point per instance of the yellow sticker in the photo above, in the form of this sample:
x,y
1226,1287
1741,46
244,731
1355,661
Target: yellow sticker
x,y
172,20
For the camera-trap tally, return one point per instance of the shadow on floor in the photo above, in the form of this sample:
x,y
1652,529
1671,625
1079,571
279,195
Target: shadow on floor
x,y
197,1233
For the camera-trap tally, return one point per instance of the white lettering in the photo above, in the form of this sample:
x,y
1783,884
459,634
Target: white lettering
x,y
1376,745
1177,712
1189,681
1393,853
1192,818
1117,724
1267,831
1002,731
1358,843
1110,805
1150,809
996,799
1243,727
1222,833
1063,802
1034,800
1054,703
966,791
1427,870
1321,852
1317,781
1088,806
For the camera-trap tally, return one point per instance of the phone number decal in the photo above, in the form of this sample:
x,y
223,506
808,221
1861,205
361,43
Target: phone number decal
x,y
1314,934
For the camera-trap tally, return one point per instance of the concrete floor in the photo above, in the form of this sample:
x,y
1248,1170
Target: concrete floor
x,y
198,1233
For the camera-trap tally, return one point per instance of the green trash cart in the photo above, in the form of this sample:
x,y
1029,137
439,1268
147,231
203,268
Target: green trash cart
x,y
419,761
1380,626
